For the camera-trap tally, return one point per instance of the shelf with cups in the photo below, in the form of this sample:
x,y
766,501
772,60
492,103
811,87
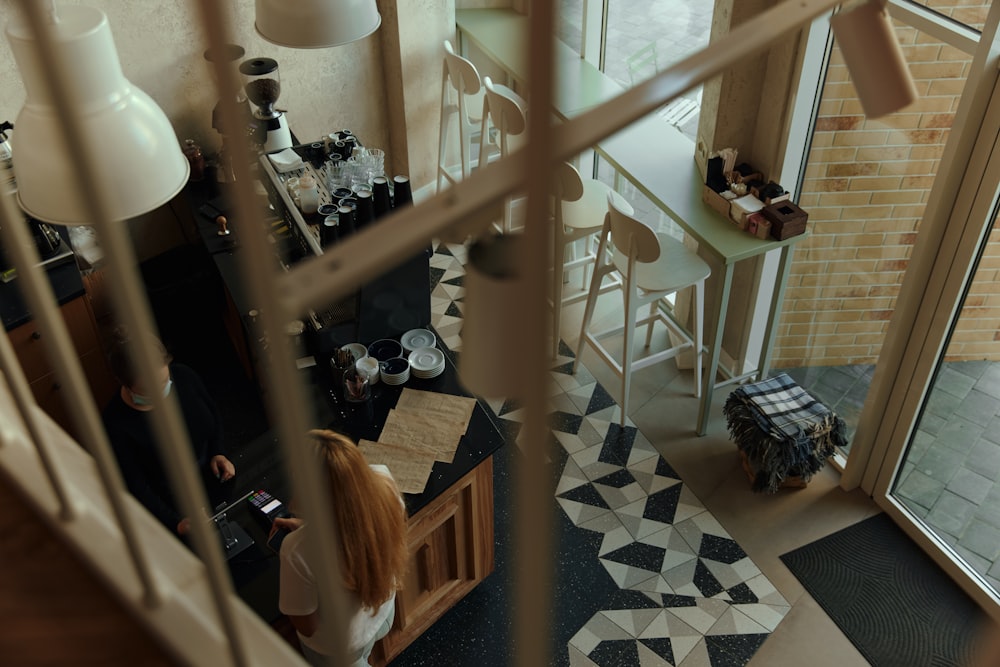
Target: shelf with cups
x,y
330,189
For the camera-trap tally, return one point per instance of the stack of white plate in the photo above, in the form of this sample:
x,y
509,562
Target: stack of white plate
x,y
414,339
426,362
395,371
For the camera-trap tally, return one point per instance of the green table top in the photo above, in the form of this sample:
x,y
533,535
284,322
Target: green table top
x,y
652,154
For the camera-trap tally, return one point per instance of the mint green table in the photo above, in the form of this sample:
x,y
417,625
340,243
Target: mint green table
x,y
658,160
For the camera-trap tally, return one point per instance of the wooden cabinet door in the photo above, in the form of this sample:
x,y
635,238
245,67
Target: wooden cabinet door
x,y
451,551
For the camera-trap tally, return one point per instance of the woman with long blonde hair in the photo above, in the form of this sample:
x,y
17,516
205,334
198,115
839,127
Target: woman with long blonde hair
x,y
370,524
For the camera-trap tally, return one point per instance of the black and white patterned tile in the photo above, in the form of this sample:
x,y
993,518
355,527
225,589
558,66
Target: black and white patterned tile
x,y
682,591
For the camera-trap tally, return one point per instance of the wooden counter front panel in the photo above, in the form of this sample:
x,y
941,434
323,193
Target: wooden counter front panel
x,y
451,551
29,346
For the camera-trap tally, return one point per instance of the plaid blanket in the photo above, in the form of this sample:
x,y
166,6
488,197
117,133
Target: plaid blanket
x,y
783,406
782,429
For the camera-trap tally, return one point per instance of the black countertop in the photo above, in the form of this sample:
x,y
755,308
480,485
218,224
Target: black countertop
x,y
66,283
259,466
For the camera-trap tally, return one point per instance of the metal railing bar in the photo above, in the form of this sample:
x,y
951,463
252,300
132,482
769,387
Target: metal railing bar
x,y
131,306
286,396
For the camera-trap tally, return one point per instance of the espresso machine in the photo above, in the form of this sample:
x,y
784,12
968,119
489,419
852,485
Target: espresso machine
x,y
263,86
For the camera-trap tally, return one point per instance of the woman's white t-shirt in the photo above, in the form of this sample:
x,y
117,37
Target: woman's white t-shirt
x,y
297,596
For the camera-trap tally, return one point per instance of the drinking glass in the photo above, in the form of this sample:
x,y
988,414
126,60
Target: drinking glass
x,y
357,388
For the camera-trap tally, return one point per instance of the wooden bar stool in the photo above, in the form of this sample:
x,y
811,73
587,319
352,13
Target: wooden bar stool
x,y
504,111
648,266
461,105
579,208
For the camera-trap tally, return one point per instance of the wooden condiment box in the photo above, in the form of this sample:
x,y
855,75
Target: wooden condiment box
x,y
786,219
714,199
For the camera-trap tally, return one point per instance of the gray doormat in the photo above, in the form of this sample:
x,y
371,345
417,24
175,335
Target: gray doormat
x,y
890,599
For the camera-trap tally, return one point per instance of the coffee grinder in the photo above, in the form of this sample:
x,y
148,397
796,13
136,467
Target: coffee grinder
x,y
230,55
263,86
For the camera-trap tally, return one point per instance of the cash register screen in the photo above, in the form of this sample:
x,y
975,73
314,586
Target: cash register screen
x,y
271,506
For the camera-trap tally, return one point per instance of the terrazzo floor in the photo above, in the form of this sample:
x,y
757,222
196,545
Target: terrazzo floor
x,y
645,574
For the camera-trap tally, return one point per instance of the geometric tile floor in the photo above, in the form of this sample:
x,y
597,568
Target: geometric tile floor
x,y
688,594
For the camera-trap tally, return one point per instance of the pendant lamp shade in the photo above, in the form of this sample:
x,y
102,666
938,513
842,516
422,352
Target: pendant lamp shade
x,y
141,165
314,24
874,58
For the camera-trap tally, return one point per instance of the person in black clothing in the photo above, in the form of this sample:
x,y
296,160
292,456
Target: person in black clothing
x,y
129,426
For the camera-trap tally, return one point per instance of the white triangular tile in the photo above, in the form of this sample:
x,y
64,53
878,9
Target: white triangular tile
x,y
571,477
733,622
580,512
604,523
691,652
766,615
648,657
578,659
651,588
584,640
618,571
632,621
695,617
615,539
570,442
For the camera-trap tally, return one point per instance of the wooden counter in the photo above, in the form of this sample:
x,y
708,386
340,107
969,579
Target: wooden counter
x,y
451,536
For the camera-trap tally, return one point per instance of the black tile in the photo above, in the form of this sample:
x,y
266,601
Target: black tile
x,y
617,445
509,405
436,275
624,598
662,505
741,594
458,281
671,600
565,369
586,494
618,479
660,646
615,653
721,549
453,310
640,555
582,586
442,249
564,422
664,469
599,400
705,581
565,350
733,650
509,428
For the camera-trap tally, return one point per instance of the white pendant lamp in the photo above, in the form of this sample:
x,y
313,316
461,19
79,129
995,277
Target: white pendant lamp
x,y
314,24
874,58
141,162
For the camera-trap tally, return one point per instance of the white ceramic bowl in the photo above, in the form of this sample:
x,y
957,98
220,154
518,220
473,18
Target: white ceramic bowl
x,y
368,366
357,349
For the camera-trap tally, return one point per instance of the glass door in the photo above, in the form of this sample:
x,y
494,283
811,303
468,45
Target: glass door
x,y
948,480
927,446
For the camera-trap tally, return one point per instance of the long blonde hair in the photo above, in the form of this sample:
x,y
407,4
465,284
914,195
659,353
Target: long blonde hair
x,y
370,520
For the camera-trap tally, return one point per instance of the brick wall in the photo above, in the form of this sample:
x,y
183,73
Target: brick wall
x,y
866,186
